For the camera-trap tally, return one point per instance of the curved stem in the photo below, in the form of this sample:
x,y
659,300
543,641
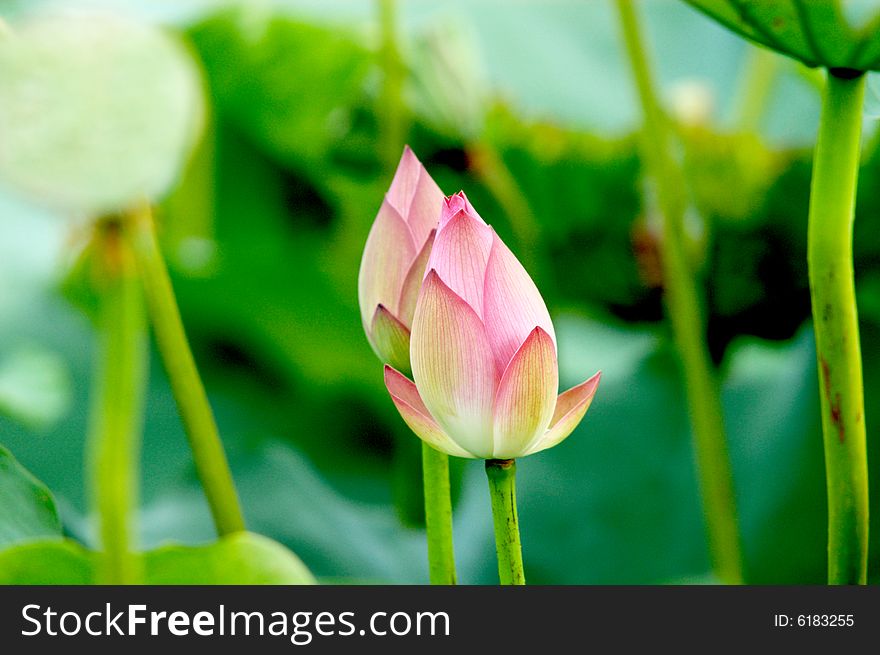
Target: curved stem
x,y
502,489
392,114
117,413
438,516
189,393
683,307
835,321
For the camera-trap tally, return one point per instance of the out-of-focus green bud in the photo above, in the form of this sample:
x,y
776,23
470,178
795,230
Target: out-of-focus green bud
x,y
394,259
692,102
449,84
96,112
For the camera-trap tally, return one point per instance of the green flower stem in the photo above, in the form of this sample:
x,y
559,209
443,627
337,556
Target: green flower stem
x,y
489,167
829,251
502,489
117,412
392,111
683,308
438,516
192,402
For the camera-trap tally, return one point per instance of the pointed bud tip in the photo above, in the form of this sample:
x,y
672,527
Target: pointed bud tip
x,y
456,201
539,330
592,383
456,204
408,156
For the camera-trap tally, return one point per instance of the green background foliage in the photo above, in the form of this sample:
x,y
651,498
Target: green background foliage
x,y
264,232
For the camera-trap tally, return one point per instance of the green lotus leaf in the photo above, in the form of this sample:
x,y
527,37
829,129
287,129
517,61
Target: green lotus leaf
x,y
27,508
830,33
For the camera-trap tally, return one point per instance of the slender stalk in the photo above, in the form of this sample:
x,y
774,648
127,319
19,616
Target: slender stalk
x,y
683,308
392,112
189,393
438,516
835,321
488,165
502,489
756,87
117,413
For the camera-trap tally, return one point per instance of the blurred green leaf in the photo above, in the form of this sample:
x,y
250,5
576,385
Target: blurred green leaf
x,y
288,84
237,559
46,563
27,510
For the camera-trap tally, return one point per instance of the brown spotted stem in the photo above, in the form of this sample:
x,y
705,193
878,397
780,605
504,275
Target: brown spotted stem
x,y
835,321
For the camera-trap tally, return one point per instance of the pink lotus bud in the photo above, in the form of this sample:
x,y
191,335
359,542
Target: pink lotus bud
x,y
483,351
394,259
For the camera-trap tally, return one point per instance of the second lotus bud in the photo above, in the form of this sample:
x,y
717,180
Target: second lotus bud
x,y
394,259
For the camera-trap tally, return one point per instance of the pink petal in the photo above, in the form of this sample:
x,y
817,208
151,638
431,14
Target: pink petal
x,y
386,260
413,282
406,179
416,196
512,304
413,411
460,254
389,338
423,213
526,396
453,366
570,409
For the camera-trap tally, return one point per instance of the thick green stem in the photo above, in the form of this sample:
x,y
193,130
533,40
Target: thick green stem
x,y
117,415
502,489
392,111
832,204
189,393
438,516
683,308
